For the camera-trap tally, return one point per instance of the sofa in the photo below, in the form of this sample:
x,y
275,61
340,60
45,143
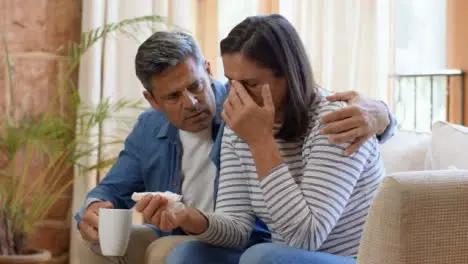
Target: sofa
x,y
420,213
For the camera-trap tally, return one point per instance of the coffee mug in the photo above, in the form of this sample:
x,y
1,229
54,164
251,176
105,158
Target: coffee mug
x,y
114,230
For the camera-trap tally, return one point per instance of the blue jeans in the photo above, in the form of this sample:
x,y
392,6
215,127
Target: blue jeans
x,y
194,252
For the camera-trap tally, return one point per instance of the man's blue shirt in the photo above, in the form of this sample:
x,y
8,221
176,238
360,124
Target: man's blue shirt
x,y
151,162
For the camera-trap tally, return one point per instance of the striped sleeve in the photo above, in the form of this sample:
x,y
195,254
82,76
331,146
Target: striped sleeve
x,y
232,223
304,214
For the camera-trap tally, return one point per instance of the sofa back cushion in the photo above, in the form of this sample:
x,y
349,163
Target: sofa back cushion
x,y
405,151
448,147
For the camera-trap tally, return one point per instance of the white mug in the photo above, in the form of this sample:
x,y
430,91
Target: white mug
x,y
114,231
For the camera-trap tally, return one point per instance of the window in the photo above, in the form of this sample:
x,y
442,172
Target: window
x,y
419,49
420,36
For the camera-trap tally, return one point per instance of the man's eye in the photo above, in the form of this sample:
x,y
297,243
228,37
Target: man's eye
x,y
196,87
172,96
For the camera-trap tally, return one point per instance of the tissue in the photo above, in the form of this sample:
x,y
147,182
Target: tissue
x,y
174,200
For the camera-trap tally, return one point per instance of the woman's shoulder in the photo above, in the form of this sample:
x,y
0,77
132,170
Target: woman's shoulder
x,y
321,108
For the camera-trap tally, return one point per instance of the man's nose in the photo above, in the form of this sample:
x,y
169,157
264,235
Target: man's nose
x,y
189,99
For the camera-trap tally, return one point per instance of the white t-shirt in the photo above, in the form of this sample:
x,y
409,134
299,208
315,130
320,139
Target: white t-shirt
x,y
198,170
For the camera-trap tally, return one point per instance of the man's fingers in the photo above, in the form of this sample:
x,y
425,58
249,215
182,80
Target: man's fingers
x,y
348,136
161,205
153,206
355,145
342,96
156,218
342,126
91,218
163,224
267,98
89,224
340,114
166,222
88,232
171,218
143,203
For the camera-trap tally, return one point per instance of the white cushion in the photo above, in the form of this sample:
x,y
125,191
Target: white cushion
x,y
448,147
405,151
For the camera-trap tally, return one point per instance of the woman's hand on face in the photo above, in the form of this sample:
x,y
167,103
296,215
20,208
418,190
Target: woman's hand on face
x,y
251,122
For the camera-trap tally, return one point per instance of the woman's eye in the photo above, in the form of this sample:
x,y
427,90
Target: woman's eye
x,y
249,85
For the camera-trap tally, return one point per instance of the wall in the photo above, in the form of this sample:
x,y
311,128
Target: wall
x,y
457,53
34,31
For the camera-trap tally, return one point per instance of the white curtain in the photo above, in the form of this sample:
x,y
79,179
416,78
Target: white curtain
x,y
347,41
107,70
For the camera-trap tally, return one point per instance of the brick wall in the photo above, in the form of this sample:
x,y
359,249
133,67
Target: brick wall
x,y
35,29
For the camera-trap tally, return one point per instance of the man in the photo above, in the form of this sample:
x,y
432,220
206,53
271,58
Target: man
x,y
176,145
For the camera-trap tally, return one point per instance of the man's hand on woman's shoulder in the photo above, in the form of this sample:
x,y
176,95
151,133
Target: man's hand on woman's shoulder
x,y
357,122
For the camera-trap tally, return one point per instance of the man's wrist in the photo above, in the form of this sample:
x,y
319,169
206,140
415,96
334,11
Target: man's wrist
x,y
383,118
91,201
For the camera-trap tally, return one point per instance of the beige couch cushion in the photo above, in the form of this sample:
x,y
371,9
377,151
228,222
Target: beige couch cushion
x,y
448,147
418,218
405,151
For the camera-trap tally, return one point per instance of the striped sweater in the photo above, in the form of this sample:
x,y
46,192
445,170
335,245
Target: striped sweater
x,y
316,200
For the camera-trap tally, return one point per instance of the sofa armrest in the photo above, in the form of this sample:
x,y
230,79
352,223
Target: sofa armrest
x,y
418,217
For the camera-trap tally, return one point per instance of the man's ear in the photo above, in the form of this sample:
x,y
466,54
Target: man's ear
x,y
208,69
149,97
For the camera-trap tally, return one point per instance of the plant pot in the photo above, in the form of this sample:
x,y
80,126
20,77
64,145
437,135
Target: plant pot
x,y
34,257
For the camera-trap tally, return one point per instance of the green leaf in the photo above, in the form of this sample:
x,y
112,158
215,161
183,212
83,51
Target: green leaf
x,y
64,138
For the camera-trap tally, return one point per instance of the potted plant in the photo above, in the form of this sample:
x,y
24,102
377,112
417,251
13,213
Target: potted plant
x,y
61,142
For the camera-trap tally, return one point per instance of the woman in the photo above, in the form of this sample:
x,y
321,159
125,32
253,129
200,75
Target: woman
x,y
275,163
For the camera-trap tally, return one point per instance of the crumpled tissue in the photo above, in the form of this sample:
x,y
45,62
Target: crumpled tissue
x,y
174,200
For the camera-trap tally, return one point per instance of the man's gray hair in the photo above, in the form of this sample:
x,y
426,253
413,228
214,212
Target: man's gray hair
x,y
162,51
